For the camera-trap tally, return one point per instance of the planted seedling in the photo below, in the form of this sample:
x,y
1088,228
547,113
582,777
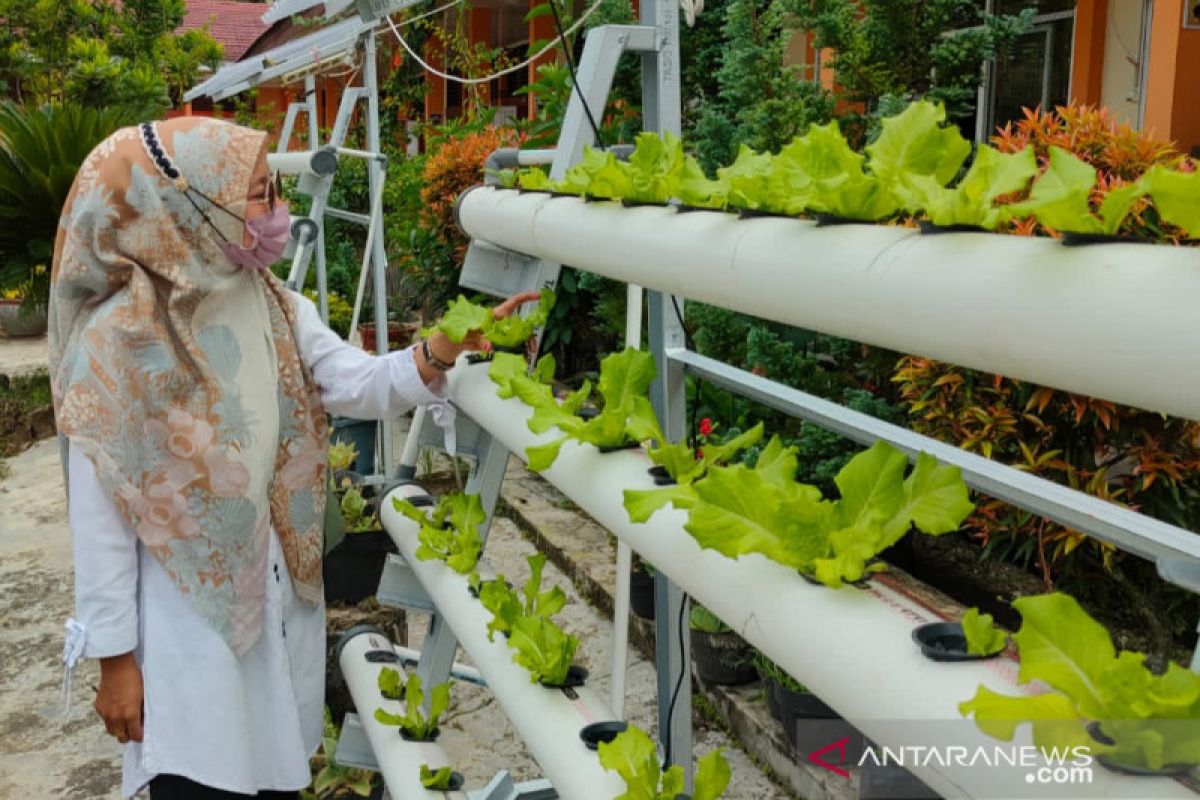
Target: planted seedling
x,y
626,416
333,779
507,605
1061,198
972,202
463,316
633,756
738,509
983,637
451,534
533,179
543,649
443,779
390,685
1143,721
679,458
1174,195
413,723
701,619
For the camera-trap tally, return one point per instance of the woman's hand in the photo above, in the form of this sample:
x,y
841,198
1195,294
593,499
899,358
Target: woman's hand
x,y
119,698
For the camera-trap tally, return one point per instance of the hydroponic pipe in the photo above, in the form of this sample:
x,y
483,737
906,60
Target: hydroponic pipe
x,y
399,760
851,647
548,720
1115,321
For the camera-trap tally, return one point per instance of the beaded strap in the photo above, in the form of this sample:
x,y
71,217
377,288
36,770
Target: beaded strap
x,y
158,155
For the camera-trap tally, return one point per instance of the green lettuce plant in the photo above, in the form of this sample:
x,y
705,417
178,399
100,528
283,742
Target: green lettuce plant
x,y
626,415
542,648
983,637
633,756
762,509
972,201
1175,196
415,724
507,605
463,316
598,174
840,185
534,179
1146,720
441,779
390,685
679,458
655,168
451,532
1061,198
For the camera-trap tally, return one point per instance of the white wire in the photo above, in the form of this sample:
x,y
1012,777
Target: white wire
x,y
437,10
516,68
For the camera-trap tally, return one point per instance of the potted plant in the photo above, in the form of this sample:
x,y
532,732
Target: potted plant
x,y
796,708
641,588
720,655
21,313
353,566
442,779
400,335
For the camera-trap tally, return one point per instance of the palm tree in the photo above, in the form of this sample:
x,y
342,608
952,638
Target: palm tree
x,y
41,149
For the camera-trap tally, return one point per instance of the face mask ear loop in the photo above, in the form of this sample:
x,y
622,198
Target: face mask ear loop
x,y
200,211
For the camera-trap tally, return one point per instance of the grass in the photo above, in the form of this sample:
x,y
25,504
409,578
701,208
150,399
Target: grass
x,y
18,396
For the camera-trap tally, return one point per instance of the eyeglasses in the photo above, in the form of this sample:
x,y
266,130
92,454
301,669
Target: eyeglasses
x,y
274,193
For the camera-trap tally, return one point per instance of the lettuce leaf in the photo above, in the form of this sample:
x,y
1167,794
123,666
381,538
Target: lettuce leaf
x,y
1175,196
451,534
1152,720
414,721
656,167
759,181
917,142
598,174
463,316
840,185
983,637
633,756
542,648
626,416
504,604
1061,198
696,189
538,603
972,202
436,781
533,179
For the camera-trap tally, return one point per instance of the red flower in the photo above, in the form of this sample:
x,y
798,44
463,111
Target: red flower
x,y
706,426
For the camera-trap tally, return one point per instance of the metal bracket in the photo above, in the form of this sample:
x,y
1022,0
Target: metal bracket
x,y
502,787
353,748
399,587
496,271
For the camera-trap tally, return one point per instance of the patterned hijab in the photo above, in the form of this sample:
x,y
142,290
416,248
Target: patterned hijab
x,y
176,372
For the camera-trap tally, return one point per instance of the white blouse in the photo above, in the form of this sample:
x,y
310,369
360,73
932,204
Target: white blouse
x,y
239,724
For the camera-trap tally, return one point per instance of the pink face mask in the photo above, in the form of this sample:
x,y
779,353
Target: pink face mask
x,y
269,234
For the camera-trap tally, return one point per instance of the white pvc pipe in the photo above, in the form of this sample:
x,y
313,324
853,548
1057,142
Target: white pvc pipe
x,y
399,760
851,647
548,720
1116,321
317,163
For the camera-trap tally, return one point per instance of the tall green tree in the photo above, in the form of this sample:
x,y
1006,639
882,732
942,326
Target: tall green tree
x,y
91,53
887,52
760,100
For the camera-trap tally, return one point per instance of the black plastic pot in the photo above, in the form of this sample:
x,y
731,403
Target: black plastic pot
x,y
945,641
861,583
799,708
592,735
1070,239
751,213
684,208
641,593
432,737
929,229
825,220
722,658
661,476
771,692
352,568
456,783
640,203
576,676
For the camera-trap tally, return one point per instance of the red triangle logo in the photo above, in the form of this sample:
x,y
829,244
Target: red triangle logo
x,y
840,747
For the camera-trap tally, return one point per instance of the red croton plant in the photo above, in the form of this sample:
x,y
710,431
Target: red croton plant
x,y
1141,459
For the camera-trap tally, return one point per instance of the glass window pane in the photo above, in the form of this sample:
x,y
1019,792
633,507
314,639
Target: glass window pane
x,y
1036,72
1038,6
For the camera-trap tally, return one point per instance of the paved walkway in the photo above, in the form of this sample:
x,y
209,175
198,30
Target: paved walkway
x,y
21,356
44,754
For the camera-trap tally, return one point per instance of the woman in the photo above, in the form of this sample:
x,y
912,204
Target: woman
x,y
192,388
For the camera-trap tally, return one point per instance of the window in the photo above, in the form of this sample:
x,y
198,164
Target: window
x,y
1037,72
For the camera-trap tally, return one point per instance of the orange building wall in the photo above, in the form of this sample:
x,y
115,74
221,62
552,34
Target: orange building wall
x,y
1087,71
1173,90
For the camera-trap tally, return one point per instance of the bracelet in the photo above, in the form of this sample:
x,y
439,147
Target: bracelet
x,y
433,360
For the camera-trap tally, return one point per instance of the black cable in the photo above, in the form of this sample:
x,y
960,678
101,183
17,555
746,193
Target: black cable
x,y
562,37
678,683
